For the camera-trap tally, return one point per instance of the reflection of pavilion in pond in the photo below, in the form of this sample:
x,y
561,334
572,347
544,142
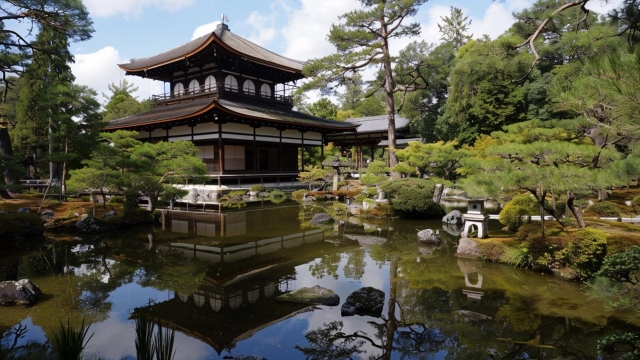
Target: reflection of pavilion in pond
x,y
251,257
222,315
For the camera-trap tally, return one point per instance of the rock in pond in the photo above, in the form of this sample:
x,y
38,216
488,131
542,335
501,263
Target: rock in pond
x,y
320,218
366,301
23,210
428,237
21,292
316,295
468,248
111,213
91,224
453,229
454,217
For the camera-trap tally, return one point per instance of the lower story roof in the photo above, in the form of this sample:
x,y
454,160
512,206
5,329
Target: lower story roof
x,y
165,115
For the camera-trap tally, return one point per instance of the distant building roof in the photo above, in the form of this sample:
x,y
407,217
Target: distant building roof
x,y
166,114
223,37
379,123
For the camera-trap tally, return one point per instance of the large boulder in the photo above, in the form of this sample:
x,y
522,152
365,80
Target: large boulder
x,y
468,248
366,301
21,292
453,218
428,237
316,295
320,218
453,229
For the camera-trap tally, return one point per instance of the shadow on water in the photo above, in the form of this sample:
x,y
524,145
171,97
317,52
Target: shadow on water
x,y
215,279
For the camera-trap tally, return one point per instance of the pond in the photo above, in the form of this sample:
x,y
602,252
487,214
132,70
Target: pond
x,y
215,279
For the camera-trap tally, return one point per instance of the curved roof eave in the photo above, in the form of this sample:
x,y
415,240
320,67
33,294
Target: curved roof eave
x,y
209,39
215,104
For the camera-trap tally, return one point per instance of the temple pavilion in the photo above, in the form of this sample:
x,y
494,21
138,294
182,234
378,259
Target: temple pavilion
x,y
232,99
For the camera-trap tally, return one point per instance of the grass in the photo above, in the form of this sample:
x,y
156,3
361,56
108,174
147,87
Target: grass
x,y
70,342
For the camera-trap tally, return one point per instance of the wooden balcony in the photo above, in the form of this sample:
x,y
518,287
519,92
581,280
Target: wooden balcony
x,y
220,91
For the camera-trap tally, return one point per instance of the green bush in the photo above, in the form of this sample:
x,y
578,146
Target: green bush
x,y
298,195
586,253
636,200
376,173
130,202
157,214
412,198
361,198
605,208
20,226
527,230
116,200
623,267
277,196
258,188
511,214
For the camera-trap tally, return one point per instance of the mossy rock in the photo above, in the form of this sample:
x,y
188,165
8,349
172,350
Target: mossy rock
x,y
316,295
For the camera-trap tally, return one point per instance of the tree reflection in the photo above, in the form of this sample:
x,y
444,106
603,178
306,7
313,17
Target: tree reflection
x,y
354,268
430,313
326,266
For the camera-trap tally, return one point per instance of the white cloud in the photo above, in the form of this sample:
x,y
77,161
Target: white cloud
x,y
305,34
498,18
263,27
204,29
603,7
99,69
131,8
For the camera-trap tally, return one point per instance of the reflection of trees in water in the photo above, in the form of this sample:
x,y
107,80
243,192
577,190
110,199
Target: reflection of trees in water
x,y
354,268
326,266
424,319
10,347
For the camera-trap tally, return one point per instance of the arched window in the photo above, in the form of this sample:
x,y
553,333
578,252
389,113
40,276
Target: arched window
x,y
265,90
230,83
210,84
248,87
194,86
178,90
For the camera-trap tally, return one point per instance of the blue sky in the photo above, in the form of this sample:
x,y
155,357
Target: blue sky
x,y
128,29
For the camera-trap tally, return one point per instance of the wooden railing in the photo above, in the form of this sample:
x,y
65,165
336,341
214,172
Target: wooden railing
x,y
216,90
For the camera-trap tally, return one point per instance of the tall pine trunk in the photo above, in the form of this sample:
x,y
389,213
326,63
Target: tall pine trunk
x,y
389,87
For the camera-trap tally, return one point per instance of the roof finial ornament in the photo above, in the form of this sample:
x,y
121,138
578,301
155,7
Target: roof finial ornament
x,y
224,18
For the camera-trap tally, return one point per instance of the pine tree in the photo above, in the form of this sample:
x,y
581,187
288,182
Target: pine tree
x,y
362,40
454,28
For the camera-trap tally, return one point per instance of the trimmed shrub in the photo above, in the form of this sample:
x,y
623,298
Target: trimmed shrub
x,y
298,195
511,214
586,253
277,196
605,208
412,198
527,230
258,188
623,267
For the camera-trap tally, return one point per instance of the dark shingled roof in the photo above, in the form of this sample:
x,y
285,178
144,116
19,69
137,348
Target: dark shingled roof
x,y
225,38
194,108
379,123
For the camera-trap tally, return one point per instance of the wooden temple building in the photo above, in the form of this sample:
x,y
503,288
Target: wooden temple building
x,y
231,98
372,132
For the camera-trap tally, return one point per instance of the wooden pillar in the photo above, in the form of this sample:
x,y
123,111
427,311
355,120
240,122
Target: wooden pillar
x,y
302,152
280,153
220,149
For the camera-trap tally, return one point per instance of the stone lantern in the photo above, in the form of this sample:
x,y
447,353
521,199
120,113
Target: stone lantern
x,y
474,216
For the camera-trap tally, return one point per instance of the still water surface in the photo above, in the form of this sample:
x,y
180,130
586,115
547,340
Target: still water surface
x,y
215,278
